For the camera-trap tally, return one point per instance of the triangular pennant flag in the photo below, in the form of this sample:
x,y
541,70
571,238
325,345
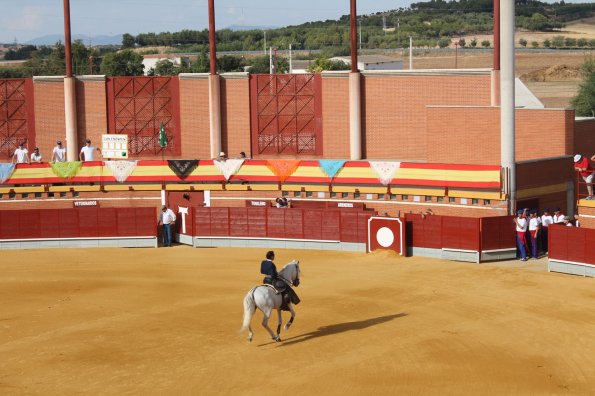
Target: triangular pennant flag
x,y
385,170
5,171
331,167
228,167
66,170
283,168
121,169
182,168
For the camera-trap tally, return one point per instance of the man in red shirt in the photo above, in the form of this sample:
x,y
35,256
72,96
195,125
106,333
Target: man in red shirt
x,y
582,165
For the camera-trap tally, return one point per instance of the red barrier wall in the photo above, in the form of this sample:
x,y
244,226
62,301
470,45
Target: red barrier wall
x,y
571,244
465,233
314,224
497,233
85,222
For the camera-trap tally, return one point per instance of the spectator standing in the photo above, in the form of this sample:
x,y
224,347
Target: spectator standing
x,y
558,216
167,219
59,153
546,220
21,155
582,165
567,222
36,156
282,203
577,223
521,233
534,232
88,152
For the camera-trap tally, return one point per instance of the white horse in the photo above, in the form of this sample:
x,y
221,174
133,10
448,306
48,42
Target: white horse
x,y
264,298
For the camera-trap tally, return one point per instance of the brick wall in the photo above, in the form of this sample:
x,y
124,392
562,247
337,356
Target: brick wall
x,y
394,115
586,217
49,114
584,137
474,134
235,115
91,107
335,116
194,117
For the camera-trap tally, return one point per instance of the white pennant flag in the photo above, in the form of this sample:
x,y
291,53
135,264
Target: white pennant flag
x,y
121,169
228,167
385,170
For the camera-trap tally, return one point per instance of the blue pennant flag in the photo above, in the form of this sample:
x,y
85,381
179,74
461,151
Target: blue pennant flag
x,y
5,171
331,167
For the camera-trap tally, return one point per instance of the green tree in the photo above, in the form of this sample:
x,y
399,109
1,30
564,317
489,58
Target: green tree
x,y
260,65
582,42
122,63
321,64
127,40
443,42
534,44
558,41
80,57
547,43
485,43
230,63
523,42
584,101
462,43
165,67
570,42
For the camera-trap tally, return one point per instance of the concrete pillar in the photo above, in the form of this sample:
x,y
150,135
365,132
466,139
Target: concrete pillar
x,y
215,114
70,119
355,114
507,107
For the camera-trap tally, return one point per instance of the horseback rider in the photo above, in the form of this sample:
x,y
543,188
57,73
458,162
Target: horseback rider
x,y
267,268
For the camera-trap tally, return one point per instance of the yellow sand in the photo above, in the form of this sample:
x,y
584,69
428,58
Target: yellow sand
x,y
165,321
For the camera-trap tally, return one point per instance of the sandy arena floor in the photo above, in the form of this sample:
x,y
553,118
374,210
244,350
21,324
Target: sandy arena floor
x,y
166,321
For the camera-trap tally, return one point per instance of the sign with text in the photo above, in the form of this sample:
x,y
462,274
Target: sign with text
x,y
84,204
114,146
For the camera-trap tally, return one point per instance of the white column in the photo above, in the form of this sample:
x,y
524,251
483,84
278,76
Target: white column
x,y
215,115
410,53
70,118
507,112
355,129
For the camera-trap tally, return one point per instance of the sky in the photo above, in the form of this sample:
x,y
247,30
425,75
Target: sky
x,y
24,20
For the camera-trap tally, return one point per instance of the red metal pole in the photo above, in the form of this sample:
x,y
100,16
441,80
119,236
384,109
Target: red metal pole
x,y
353,31
212,48
67,38
496,34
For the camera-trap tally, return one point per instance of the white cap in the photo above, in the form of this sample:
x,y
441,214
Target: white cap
x,y
577,157
222,154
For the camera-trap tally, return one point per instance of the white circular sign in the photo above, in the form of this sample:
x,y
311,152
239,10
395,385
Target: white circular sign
x,y
385,237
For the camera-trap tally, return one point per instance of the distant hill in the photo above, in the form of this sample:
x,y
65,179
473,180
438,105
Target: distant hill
x,y
239,28
51,39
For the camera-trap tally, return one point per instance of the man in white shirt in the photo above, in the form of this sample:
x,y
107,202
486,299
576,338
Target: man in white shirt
x,y
521,233
87,152
167,219
21,155
546,220
59,153
36,156
534,232
558,216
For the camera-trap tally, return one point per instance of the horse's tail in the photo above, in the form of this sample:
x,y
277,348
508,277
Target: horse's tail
x,y
249,309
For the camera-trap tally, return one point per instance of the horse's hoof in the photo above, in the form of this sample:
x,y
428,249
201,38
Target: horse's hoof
x,y
286,327
278,339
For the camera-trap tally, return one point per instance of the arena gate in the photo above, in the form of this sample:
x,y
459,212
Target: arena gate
x,y
571,250
78,227
286,114
17,119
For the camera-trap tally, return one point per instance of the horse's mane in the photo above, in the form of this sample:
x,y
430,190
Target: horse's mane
x,y
294,262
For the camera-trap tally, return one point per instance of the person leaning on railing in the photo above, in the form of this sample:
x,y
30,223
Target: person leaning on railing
x,y
582,165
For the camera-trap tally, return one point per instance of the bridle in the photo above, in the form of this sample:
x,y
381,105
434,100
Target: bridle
x,y
296,282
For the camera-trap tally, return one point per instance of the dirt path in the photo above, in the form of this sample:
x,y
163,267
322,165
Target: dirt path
x,y
165,321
